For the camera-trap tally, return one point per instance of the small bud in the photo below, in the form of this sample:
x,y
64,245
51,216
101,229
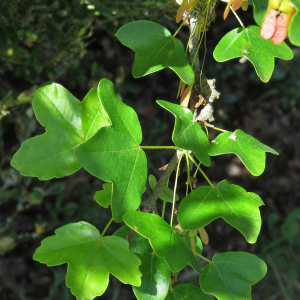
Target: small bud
x,y
185,96
203,236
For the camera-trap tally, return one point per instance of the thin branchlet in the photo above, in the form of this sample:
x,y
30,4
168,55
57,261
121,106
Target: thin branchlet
x,y
149,205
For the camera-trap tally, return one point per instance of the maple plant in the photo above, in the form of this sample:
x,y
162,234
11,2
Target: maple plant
x,y
103,135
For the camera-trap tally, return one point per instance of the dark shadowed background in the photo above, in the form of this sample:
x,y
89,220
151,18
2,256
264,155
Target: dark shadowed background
x,y
73,43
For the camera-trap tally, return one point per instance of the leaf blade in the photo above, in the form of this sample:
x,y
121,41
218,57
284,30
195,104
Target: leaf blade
x,y
90,259
155,49
248,42
247,148
187,292
68,122
294,27
113,153
187,134
103,197
156,278
166,243
166,193
228,201
230,275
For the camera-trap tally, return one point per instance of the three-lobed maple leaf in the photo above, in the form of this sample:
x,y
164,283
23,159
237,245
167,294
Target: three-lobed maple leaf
x,y
188,134
113,154
248,42
155,49
156,278
165,241
74,138
230,275
90,259
251,152
68,123
228,201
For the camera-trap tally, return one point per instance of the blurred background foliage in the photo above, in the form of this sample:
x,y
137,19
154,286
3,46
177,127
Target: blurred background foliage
x,y
73,43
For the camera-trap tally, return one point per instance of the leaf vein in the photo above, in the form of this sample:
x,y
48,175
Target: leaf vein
x,y
71,126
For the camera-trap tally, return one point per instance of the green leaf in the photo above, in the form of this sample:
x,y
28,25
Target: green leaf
x,y
103,197
294,27
155,49
152,182
228,201
255,6
156,278
138,244
69,123
250,151
165,241
187,134
230,275
113,153
248,42
90,259
166,193
122,232
187,292
259,16
258,5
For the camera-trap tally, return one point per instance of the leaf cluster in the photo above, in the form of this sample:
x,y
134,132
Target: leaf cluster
x,y
102,135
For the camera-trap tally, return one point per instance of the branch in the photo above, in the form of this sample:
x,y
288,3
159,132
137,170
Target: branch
x,y
210,94
149,205
204,87
193,46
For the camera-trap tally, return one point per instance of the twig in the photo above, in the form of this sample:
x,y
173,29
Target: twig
x,y
202,85
175,187
193,46
149,205
130,235
237,17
